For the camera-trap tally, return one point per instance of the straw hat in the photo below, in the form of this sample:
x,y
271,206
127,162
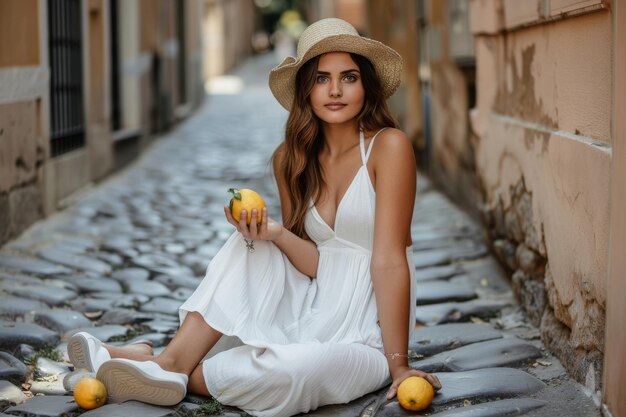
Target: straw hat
x,y
335,35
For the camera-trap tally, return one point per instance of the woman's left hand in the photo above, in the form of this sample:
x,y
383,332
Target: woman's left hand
x,y
405,372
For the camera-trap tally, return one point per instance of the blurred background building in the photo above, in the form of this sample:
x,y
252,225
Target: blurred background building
x,y
512,107
86,85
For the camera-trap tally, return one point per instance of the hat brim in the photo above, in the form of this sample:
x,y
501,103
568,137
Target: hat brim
x,y
387,63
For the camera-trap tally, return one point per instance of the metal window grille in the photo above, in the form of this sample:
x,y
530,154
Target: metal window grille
x,y
182,52
66,76
116,102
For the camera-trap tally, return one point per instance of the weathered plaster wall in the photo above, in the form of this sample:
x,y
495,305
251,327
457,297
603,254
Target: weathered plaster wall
x,y
556,75
543,157
20,157
614,358
19,144
452,164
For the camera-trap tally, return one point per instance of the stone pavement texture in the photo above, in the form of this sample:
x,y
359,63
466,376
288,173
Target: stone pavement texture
x,y
126,253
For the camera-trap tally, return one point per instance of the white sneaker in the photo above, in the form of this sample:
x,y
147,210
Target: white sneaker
x,y
126,379
86,352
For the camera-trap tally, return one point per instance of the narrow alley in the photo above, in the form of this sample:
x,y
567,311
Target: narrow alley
x,y
127,252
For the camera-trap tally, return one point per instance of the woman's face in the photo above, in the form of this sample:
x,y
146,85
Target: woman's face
x,y
338,94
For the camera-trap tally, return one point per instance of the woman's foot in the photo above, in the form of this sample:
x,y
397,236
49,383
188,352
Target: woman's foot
x,y
142,347
87,352
145,381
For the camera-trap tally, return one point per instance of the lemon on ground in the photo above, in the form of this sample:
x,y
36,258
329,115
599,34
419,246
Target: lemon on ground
x,y
245,199
415,393
90,393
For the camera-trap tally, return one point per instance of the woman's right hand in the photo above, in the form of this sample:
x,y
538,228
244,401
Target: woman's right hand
x,y
269,229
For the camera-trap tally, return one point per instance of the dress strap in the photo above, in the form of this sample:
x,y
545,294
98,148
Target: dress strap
x,y
371,145
362,145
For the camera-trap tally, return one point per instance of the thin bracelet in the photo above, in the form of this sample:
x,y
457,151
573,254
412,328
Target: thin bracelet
x,y
396,355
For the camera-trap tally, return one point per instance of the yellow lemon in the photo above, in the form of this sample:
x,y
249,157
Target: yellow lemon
x,y
415,393
245,199
90,393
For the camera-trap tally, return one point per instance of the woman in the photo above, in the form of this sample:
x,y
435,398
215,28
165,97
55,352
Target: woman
x,y
317,310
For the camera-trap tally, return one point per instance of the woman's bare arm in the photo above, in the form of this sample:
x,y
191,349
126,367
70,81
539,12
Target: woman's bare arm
x,y
395,173
302,253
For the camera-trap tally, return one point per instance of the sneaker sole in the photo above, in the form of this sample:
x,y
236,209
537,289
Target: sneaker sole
x,y
125,382
76,349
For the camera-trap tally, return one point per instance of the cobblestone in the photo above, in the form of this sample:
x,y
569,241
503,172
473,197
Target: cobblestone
x,y
436,292
45,406
61,321
11,369
13,334
509,351
125,254
448,312
428,341
10,394
34,266
487,383
11,307
47,368
436,272
509,408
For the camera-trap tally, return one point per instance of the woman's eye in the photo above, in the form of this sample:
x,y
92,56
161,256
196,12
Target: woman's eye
x,y
321,78
350,78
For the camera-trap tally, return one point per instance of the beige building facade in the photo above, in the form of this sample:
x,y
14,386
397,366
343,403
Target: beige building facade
x,y
85,86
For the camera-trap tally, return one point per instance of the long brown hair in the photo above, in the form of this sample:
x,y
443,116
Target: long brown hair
x,y
300,168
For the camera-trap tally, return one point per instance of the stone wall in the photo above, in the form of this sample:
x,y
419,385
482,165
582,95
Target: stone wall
x,y
518,243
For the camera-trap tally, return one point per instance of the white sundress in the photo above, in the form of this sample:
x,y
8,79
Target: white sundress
x,y
293,344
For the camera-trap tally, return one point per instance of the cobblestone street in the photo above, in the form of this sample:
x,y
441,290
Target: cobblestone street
x,y
126,253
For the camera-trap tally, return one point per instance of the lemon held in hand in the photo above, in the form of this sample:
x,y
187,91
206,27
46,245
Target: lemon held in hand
x,y
415,393
90,393
245,199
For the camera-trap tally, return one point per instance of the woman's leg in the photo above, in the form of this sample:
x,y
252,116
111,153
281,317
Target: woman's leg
x,y
325,374
196,384
138,352
190,344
